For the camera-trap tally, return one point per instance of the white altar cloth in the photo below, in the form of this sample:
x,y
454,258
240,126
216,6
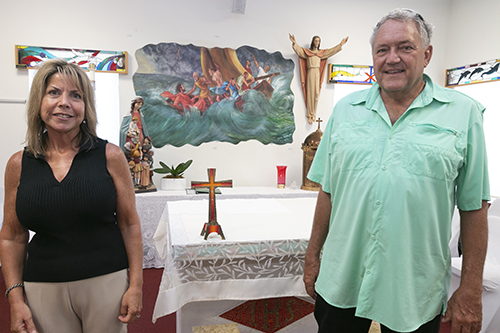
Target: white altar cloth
x,y
262,256
150,207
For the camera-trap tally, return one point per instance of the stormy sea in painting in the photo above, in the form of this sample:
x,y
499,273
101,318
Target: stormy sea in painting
x,y
262,112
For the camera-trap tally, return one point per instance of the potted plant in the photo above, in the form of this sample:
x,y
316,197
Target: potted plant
x,y
173,179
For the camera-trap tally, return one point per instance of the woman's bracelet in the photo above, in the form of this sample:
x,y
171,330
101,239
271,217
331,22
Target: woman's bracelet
x,y
12,287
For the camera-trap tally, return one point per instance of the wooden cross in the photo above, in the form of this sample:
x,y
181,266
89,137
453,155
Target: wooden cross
x,y
319,121
212,225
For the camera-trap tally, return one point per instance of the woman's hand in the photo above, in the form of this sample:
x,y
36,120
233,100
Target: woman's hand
x,y
21,320
131,305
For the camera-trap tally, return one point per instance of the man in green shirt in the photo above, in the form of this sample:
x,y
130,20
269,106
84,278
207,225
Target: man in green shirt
x,y
392,162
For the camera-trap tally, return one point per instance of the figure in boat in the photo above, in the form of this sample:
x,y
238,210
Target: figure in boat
x,y
220,67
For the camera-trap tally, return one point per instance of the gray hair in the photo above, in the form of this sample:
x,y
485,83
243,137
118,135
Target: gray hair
x,y
406,15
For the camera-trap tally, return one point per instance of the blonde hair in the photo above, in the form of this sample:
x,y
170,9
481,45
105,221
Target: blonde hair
x,y
36,136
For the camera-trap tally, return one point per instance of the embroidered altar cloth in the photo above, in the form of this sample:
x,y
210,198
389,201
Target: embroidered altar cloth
x,y
262,256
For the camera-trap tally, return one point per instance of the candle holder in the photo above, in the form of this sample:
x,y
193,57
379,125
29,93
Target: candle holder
x,y
281,175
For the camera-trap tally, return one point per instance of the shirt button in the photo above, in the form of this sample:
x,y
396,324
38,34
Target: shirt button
x,y
368,271
390,136
383,168
377,202
374,237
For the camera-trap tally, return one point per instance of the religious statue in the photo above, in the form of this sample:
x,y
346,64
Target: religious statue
x,y
312,70
136,145
127,133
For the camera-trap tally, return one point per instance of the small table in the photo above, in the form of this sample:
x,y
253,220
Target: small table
x,y
267,233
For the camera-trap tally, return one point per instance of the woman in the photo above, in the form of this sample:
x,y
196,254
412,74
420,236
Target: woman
x,y
312,66
82,271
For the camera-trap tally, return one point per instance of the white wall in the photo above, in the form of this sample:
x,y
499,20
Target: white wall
x,y
473,34
488,94
474,38
129,25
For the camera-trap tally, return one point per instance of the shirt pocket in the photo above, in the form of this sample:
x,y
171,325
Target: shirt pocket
x,y
433,151
354,149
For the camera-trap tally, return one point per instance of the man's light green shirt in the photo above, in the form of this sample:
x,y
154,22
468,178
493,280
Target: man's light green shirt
x,y
393,190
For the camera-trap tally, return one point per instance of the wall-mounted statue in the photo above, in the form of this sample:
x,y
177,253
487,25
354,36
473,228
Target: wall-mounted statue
x,y
312,70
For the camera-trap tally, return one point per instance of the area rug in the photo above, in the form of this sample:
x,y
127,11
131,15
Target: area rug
x,y
269,315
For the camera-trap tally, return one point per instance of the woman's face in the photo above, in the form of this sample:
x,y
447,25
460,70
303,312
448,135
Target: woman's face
x,y
63,108
138,105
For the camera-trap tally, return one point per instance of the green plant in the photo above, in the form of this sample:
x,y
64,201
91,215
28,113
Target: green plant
x,y
173,172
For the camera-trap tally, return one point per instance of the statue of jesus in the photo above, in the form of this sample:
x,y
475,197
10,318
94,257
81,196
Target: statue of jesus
x,y
312,70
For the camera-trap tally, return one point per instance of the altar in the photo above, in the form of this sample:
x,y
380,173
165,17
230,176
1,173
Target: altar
x,y
151,205
267,232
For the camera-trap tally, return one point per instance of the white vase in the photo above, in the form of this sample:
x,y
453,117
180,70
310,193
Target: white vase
x,y
173,184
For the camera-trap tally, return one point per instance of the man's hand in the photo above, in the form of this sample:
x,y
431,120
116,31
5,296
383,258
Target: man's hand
x,y
464,311
311,272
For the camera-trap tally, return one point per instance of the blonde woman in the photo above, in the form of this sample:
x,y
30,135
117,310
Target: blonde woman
x,y
82,271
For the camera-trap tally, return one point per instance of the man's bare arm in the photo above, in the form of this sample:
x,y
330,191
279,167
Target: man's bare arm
x,y
464,307
319,232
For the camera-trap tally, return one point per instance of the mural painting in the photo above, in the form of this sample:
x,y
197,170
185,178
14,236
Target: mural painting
x,y
194,94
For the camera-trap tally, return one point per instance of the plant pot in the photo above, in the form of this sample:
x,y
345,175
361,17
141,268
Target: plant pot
x,y
173,184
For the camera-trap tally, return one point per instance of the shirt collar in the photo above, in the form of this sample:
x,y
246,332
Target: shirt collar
x,y
371,97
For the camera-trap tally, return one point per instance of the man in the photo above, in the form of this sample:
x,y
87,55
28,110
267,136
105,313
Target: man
x,y
392,162
245,82
262,71
247,66
220,85
204,98
180,101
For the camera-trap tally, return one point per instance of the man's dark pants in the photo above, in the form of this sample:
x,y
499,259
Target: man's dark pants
x,y
332,319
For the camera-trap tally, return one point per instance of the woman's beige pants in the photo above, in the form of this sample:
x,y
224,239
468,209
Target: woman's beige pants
x,y
84,306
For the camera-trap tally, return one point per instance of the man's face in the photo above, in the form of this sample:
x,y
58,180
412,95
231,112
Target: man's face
x,y
399,58
267,68
316,42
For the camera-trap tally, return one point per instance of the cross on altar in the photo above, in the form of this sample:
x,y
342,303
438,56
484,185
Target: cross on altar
x,y
212,225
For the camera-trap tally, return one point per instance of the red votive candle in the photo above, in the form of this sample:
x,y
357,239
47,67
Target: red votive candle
x,y
281,175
